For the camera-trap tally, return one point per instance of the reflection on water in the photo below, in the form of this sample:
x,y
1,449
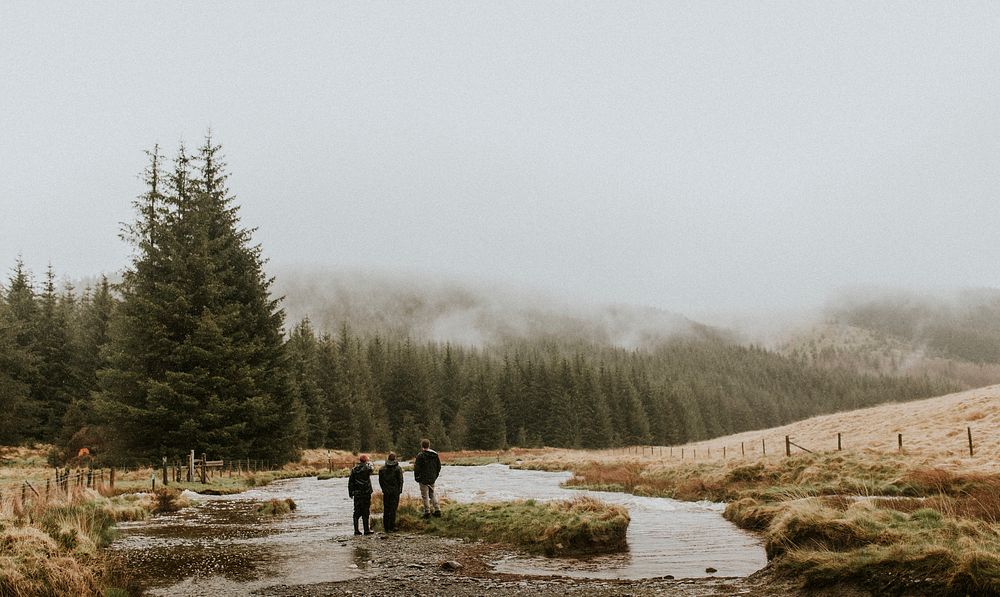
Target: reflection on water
x,y
222,546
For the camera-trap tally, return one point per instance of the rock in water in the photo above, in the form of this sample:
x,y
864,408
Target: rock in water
x,y
451,565
711,570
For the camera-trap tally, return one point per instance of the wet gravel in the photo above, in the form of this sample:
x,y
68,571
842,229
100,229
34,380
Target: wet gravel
x,y
416,565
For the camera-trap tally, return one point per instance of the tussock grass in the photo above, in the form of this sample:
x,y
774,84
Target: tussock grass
x,y
168,499
922,551
33,563
578,526
276,507
53,548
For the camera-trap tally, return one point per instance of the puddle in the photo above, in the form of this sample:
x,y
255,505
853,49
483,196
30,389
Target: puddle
x,y
222,546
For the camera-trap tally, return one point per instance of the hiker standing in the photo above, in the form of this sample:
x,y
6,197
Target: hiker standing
x,y
359,487
390,479
426,468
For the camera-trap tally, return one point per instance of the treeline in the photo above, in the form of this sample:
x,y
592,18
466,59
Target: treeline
x,y
372,393
51,342
367,392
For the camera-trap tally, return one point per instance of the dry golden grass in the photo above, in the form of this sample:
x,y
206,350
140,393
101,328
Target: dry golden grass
x,y
52,547
934,435
934,431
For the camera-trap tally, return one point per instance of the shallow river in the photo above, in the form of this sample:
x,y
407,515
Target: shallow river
x,y
221,546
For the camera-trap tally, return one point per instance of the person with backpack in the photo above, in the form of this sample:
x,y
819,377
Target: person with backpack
x,y
359,487
390,479
426,468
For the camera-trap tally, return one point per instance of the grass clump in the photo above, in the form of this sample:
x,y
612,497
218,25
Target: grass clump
x,y
276,507
53,547
33,563
923,551
168,499
578,526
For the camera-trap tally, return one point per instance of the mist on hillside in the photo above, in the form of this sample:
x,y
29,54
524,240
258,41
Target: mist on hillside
x,y
953,335
467,313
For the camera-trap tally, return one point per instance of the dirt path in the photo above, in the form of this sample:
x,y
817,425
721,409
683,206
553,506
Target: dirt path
x,y
411,565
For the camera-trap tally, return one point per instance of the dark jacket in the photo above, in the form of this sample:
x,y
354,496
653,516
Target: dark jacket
x,y
390,478
426,467
360,481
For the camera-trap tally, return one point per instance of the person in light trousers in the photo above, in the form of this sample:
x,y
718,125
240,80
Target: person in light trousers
x,y
426,468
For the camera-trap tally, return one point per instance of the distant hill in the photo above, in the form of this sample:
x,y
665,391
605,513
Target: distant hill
x,y
467,314
964,326
954,338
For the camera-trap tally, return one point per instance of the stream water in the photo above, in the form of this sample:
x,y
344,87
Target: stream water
x,y
222,546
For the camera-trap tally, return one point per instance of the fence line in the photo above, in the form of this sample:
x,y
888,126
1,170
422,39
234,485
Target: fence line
x,y
689,452
63,481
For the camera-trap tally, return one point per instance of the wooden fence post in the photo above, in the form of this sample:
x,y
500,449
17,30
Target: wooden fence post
x,y
165,471
743,451
838,441
763,446
788,446
971,452
111,479
190,475
204,468
900,437
723,452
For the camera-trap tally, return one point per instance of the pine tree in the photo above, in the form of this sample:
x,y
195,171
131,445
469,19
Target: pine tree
x,y
21,328
197,358
14,399
55,386
486,425
303,359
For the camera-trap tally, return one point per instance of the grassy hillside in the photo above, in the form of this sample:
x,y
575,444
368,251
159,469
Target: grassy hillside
x,y
865,350
933,429
964,327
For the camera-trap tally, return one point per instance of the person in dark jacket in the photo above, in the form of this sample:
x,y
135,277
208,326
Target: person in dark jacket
x,y
426,468
359,487
390,479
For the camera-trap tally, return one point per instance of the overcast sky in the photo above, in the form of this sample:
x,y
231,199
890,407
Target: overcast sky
x,y
688,155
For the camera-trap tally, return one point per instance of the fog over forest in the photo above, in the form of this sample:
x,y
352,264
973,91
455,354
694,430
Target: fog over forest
x,y
698,158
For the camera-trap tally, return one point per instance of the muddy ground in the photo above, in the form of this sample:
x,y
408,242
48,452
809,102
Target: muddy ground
x,y
410,565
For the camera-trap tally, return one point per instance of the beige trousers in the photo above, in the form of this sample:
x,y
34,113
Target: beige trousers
x,y
429,498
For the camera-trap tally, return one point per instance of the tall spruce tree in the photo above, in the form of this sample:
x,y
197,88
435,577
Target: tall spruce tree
x,y
21,326
14,399
303,358
196,358
56,385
